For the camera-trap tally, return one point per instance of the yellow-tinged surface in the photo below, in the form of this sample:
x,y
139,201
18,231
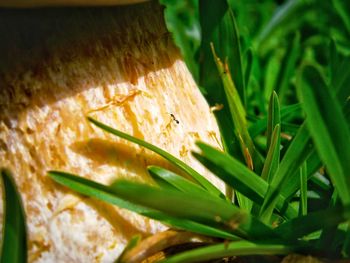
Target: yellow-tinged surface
x,y
118,65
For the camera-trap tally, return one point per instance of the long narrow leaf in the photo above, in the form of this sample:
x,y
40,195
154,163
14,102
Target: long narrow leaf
x,y
297,153
237,175
303,190
180,164
107,194
286,113
238,114
303,225
328,128
14,240
203,209
274,117
175,180
273,156
239,248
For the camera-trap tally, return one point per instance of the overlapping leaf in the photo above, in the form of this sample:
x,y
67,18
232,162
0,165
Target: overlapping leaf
x,y
14,237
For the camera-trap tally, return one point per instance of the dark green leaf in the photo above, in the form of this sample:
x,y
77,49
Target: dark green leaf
x,y
328,128
274,117
273,156
343,10
288,66
297,153
303,225
339,73
177,181
240,177
107,194
303,190
175,161
197,207
261,125
219,28
239,248
14,237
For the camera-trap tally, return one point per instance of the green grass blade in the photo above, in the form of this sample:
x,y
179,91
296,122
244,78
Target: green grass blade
x,y
107,194
303,225
343,11
199,208
297,153
328,128
177,181
261,125
93,189
237,175
273,156
279,18
239,248
219,27
14,236
175,161
313,165
346,246
274,117
328,234
249,66
339,73
238,114
288,67
303,190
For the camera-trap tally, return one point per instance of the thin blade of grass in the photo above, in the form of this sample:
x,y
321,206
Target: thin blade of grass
x,y
303,190
339,72
249,66
328,127
239,248
346,246
107,194
303,225
286,113
238,114
177,181
14,236
313,165
296,154
237,175
288,67
273,156
343,11
328,234
219,27
175,161
274,117
199,208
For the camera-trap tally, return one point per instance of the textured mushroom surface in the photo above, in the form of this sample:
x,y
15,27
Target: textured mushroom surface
x,y
118,65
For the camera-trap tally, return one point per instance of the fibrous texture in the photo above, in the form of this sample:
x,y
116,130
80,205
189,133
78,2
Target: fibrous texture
x,y
118,65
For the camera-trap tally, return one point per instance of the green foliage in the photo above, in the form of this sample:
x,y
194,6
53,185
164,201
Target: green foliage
x,y
283,83
14,239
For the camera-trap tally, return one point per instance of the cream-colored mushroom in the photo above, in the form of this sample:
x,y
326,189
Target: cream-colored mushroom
x,y
119,65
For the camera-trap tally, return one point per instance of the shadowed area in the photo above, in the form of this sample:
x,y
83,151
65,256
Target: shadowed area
x,y
73,49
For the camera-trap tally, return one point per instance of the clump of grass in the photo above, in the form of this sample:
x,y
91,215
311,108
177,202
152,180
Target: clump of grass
x,y
285,138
